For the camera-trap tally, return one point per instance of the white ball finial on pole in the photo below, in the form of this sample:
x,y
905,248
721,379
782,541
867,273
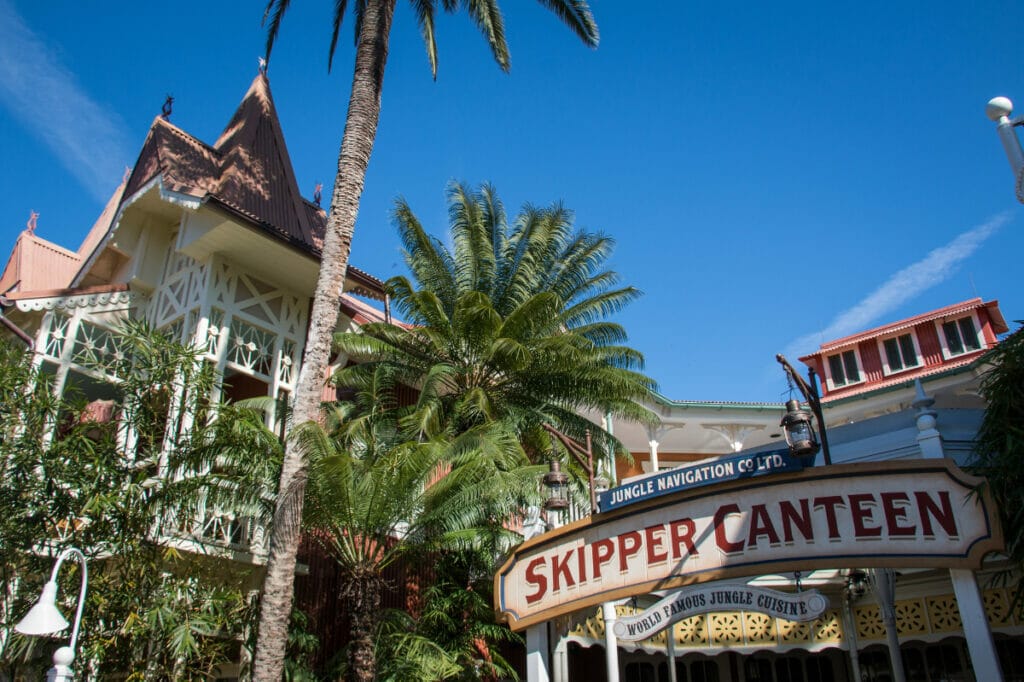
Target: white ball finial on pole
x,y
999,110
998,107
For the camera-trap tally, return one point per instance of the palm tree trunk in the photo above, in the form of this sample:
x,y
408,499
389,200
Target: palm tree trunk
x,y
356,147
366,593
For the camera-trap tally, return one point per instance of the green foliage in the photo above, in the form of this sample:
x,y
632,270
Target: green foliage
x,y
509,325
124,492
999,451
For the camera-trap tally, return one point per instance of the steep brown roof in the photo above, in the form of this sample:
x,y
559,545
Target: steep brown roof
x,y
247,171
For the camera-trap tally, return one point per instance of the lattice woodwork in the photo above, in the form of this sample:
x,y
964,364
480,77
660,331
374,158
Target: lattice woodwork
x,y
869,622
997,607
760,628
181,290
792,631
693,631
726,628
944,613
54,344
828,628
910,617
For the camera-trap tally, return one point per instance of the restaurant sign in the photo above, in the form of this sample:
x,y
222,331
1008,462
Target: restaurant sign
x,y
906,514
802,606
696,475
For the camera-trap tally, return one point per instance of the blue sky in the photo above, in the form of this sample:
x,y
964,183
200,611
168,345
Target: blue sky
x,y
774,175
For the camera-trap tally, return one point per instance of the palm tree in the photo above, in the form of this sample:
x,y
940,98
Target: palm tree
x,y
373,28
374,497
507,326
999,450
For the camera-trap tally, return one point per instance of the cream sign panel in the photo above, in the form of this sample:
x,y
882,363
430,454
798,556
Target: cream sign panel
x,y
906,514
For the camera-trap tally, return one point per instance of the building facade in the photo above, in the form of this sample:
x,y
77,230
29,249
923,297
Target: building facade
x,y
905,390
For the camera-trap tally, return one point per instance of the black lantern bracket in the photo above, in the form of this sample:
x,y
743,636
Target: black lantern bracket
x,y
810,393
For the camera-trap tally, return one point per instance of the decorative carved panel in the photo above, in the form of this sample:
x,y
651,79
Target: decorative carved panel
x,y
944,613
910,617
726,628
869,622
760,628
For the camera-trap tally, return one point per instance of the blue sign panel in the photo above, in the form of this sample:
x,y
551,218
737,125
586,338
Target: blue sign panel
x,y
696,475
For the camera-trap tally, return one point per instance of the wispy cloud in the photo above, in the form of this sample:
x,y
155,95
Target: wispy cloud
x,y
934,268
46,98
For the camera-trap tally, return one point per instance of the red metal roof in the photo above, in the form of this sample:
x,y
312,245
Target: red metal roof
x,y
998,323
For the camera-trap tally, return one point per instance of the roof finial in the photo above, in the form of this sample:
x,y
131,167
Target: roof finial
x,y
166,108
262,65
30,226
317,194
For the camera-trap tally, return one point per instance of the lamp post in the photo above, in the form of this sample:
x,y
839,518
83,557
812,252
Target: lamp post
x,y
999,110
45,619
578,452
810,393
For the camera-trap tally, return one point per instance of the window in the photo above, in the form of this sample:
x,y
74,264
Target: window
x,y
639,672
959,336
704,671
900,353
843,369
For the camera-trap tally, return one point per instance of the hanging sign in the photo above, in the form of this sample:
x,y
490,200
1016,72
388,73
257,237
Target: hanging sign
x,y
905,514
801,606
697,475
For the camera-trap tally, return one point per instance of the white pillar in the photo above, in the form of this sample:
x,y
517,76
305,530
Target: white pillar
x,y
975,624
561,662
537,658
611,643
653,444
968,598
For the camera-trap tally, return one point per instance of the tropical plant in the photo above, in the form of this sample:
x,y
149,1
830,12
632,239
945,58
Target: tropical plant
x,y
128,492
376,496
509,325
372,19
999,450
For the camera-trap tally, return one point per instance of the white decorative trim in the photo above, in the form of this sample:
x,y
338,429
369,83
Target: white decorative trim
x,y
103,299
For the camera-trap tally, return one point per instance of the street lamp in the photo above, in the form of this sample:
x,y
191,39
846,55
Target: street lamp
x,y
578,452
810,393
44,618
999,110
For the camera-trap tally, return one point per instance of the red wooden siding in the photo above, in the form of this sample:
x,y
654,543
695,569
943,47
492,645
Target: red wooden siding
x,y
928,343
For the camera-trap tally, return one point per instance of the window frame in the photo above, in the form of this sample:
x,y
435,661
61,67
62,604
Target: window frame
x,y
947,354
829,380
884,355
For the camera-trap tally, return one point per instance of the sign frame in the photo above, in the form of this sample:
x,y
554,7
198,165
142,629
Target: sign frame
x,y
989,541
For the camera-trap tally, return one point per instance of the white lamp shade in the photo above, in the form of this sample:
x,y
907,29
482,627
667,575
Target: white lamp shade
x,y
44,618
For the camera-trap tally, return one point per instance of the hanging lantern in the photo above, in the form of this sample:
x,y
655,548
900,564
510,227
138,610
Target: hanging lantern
x,y
800,436
557,483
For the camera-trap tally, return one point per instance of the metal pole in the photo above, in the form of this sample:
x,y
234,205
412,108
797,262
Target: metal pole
x,y
819,415
850,627
999,110
611,642
590,475
885,590
810,393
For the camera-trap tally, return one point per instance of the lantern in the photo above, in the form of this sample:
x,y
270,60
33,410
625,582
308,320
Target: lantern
x,y
557,483
800,436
